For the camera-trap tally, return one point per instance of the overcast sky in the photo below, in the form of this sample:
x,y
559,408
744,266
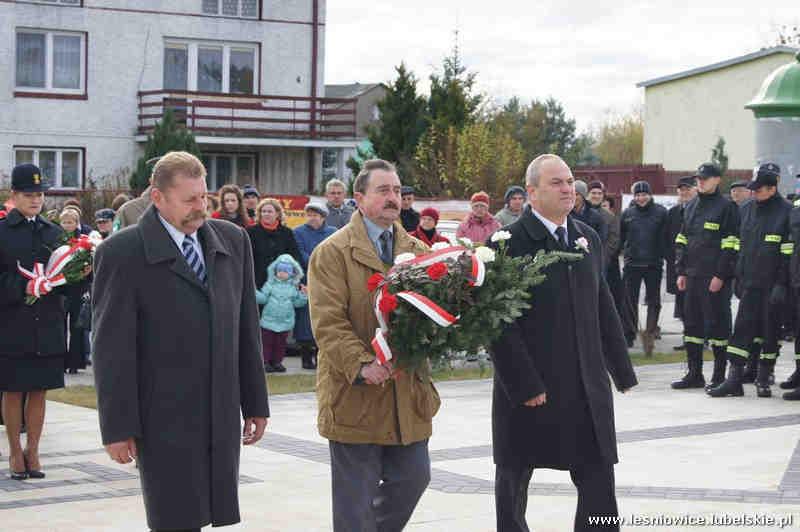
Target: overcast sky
x,y
588,56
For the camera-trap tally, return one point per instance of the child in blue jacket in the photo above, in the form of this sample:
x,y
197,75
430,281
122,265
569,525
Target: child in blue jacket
x,y
280,295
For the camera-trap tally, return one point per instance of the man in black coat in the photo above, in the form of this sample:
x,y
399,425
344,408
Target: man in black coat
x,y
409,217
642,231
552,405
177,351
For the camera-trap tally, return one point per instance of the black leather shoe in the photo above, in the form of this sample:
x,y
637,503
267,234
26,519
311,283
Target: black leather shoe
x,y
280,368
269,368
14,475
730,387
792,382
32,473
690,380
19,476
794,395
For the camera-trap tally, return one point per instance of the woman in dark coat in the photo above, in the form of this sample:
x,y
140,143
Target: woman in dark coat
x,y
32,337
232,207
270,238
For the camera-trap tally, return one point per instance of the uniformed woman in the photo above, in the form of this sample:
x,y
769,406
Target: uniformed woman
x,y
32,337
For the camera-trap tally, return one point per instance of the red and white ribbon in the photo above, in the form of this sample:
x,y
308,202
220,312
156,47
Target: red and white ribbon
x,y
430,309
42,280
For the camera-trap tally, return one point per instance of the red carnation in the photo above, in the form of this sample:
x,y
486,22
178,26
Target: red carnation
x,y
374,281
85,243
388,304
437,271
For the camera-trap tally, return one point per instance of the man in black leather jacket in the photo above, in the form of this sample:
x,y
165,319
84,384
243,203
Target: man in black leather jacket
x,y
642,239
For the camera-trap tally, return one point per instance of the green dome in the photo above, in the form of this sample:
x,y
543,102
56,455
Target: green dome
x,y
780,93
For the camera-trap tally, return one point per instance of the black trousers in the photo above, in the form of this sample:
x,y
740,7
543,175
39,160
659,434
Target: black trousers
x,y
377,487
596,497
704,314
680,298
651,275
76,353
757,322
621,299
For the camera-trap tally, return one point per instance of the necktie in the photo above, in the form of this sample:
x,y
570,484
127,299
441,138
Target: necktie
x,y
386,247
193,258
561,233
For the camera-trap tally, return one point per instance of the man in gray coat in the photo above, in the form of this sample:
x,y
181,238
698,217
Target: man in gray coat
x,y
177,351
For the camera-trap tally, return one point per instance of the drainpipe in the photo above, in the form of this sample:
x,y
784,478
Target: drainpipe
x,y
314,59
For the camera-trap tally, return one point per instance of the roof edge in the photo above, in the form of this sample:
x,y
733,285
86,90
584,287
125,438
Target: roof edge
x,y
720,65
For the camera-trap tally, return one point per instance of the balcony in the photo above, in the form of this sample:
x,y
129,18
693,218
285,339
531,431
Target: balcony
x,y
219,116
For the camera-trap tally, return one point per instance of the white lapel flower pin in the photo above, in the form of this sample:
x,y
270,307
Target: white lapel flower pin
x,y
582,244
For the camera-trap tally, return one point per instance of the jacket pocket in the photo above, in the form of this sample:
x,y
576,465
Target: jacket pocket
x,y
426,399
352,407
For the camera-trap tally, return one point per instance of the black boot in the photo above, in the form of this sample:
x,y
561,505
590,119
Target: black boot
x,y
751,369
694,378
794,379
794,395
762,379
306,352
720,359
732,386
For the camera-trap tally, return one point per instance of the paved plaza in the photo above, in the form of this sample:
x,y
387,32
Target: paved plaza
x,y
681,453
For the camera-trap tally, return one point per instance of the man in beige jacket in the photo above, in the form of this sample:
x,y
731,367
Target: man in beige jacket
x,y
378,426
132,210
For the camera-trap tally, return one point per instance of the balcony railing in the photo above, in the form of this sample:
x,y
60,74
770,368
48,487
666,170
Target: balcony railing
x,y
240,115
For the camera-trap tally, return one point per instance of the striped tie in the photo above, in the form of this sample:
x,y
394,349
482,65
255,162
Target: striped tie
x,y
193,258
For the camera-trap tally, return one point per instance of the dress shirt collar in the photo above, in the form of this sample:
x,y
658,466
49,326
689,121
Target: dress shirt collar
x,y
550,225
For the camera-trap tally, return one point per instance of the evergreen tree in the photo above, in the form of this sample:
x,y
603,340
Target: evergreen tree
x,y
402,121
166,136
719,157
452,102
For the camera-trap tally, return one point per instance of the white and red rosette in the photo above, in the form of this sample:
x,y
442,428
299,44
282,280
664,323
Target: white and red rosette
x,y
433,311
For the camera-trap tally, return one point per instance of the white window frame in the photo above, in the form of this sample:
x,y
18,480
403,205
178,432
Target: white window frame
x,y
192,48
238,10
55,181
212,171
48,61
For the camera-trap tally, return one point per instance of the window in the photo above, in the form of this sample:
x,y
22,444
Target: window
x,y
49,61
330,164
231,8
176,67
61,167
210,67
224,168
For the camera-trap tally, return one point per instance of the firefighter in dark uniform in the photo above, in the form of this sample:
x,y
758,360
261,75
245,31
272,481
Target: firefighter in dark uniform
x,y
705,250
794,270
687,190
762,271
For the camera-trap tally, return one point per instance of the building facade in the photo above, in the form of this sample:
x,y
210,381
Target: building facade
x,y
82,83
367,96
686,113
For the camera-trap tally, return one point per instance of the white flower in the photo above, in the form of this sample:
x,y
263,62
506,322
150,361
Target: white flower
x,y
500,235
582,244
95,238
485,254
466,242
440,245
404,257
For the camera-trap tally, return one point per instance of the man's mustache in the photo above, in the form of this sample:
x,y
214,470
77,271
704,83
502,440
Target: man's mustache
x,y
391,205
195,215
